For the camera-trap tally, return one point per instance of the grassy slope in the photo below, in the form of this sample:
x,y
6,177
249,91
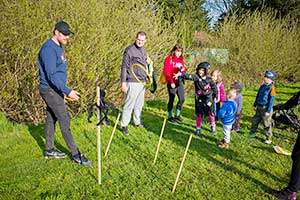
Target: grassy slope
x,y
248,170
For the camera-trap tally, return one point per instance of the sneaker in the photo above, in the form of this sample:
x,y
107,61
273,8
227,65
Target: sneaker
x,y
284,194
236,129
81,160
54,153
221,142
140,126
213,129
198,132
252,134
125,130
268,141
224,145
171,119
178,119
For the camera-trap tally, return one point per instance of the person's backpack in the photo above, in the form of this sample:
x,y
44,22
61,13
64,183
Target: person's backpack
x,y
152,76
162,78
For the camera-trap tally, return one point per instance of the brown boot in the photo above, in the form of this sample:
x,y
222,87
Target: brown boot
x,y
224,145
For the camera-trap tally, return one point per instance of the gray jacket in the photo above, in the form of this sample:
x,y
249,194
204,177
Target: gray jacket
x,y
133,55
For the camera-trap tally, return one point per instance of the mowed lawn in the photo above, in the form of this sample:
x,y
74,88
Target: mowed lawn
x,y
249,169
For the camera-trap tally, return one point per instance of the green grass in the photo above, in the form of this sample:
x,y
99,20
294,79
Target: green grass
x,y
248,170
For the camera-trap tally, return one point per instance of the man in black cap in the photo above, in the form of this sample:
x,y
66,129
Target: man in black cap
x,y
53,77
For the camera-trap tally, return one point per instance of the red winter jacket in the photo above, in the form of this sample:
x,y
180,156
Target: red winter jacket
x,y
172,66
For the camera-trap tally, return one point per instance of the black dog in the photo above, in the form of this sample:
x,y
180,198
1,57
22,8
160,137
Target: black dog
x,y
102,108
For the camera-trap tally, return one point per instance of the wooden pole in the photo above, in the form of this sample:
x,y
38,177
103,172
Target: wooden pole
x,y
161,134
183,159
112,134
99,137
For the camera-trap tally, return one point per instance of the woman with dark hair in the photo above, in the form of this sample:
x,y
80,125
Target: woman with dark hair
x,y
173,64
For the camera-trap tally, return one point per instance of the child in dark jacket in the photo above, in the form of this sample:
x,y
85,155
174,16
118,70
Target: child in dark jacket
x,y
205,93
263,106
227,116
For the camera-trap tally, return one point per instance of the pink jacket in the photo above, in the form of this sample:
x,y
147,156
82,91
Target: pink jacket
x,y
221,92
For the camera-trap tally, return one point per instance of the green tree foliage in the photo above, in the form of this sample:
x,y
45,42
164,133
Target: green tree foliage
x,y
187,15
282,8
102,31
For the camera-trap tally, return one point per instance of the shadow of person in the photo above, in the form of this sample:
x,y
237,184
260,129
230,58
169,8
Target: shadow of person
x,y
207,147
38,133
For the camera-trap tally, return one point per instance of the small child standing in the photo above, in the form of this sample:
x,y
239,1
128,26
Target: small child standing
x,y
263,106
239,101
216,76
227,116
205,93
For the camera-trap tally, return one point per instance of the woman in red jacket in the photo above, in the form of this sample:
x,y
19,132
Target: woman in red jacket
x,y
174,63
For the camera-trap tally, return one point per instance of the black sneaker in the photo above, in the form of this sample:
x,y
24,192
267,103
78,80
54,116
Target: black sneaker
x,y
171,119
125,130
81,160
198,132
284,194
54,153
178,119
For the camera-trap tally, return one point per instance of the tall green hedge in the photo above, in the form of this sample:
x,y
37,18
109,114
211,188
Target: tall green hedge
x,y
104,28
94,53
257,42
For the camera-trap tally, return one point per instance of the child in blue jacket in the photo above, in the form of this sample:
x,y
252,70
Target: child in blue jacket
x,y
227,115
263,106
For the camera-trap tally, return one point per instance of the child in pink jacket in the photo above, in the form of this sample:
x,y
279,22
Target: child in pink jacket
x,y
216,76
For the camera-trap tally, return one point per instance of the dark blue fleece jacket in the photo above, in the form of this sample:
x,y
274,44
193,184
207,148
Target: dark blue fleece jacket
x,y
265,96
53,67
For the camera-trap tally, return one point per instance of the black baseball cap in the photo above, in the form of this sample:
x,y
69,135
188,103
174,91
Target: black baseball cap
x,y
63,27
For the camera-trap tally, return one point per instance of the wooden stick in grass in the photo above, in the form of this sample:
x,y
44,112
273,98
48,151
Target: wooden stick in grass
x,y
112,134
98,137
161,133
183,159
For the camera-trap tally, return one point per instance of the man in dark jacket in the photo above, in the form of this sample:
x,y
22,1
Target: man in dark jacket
x,y
290,192
133,79
53,77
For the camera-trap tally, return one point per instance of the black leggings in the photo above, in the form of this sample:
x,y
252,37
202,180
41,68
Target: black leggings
x,y
179,91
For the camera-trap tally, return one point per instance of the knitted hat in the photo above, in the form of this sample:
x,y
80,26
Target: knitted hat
x,y
271,74
237,85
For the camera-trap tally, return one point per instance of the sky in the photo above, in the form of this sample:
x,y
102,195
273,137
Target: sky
x,y
215,8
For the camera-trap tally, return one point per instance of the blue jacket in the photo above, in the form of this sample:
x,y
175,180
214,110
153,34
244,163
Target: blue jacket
x,y
53,67
227,112
265,96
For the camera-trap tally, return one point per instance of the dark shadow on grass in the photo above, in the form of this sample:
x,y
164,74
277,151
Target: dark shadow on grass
x,y
38,133
206,146
268,148
91,141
